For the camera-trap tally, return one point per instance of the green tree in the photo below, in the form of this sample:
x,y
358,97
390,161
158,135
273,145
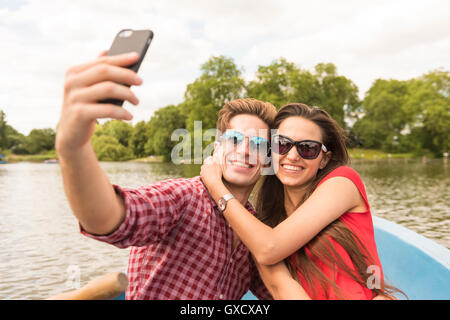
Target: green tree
x,y
3,128
120,130
385,116
275,83
407,116
219,82
283,82
15,139
161,126
139,138
40,140
99,130
108,148
428,107
338,94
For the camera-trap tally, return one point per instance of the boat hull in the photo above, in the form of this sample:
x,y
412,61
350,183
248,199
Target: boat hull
x,y
417,265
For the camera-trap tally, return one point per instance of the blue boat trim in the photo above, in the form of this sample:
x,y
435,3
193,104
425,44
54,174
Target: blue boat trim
x,y
436,251
411,262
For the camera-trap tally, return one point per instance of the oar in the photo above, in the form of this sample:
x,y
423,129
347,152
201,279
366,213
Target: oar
x,y
102,288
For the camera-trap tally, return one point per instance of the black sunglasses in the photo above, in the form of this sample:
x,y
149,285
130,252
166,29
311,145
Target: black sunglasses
x,y
307,149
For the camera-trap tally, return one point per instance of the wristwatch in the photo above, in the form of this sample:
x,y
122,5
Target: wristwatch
x,y
222,203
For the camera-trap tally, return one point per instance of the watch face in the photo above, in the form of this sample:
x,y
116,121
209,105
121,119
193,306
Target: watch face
x,y
221,204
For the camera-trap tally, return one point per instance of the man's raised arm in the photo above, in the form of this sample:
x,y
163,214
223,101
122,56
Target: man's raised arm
x,y
91,196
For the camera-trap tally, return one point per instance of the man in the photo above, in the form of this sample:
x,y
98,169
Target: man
x,y
182,247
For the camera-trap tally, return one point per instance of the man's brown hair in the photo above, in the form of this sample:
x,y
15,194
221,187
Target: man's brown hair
x,y
263,110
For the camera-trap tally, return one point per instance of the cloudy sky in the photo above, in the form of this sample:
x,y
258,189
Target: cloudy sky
x,y
365,39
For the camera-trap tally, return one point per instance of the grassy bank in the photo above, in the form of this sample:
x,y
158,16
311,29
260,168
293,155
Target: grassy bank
x,y
371,154
366,154
29,157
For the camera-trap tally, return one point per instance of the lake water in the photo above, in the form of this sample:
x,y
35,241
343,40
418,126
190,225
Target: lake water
x,y
43,253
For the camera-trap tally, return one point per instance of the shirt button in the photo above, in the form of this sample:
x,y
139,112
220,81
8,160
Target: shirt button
x,y
221,296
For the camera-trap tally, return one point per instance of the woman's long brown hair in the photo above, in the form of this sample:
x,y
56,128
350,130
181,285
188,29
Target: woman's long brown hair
x,y
271,210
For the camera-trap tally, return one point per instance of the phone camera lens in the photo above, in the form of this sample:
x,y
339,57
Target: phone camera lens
x,y
125,33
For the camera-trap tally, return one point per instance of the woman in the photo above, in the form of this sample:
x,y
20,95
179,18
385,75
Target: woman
x,y
317,239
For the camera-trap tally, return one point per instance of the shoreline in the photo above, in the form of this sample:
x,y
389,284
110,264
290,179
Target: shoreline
x,y
354,154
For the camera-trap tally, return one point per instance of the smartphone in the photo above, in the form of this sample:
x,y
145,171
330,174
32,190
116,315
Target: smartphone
x,y
128,40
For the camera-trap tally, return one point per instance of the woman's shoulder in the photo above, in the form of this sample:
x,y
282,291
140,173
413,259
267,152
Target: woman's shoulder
x,y
352,175
344,171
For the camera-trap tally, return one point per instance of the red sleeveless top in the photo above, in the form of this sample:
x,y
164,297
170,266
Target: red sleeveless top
x,y
360,223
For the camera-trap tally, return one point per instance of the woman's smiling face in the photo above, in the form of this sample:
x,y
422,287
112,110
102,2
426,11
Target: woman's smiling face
x,y
291,168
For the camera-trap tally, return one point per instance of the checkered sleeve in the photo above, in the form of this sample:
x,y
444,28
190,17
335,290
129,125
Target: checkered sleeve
x,y
151,212
257,286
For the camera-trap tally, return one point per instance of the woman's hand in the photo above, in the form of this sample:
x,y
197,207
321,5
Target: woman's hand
x,y
211,171
280,283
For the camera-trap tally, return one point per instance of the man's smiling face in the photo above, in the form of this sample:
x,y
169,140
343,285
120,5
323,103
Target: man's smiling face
x,y
241,162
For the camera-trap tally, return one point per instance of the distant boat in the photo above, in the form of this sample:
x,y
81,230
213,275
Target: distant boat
x,y
2,156
51,161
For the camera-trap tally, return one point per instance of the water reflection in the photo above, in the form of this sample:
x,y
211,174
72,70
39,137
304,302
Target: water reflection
x,y
414,195
40,238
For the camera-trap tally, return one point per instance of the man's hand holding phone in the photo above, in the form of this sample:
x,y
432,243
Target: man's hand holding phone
x,y
96,90
85,85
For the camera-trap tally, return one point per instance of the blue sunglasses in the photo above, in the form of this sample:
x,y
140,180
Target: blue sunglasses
x,y
256,144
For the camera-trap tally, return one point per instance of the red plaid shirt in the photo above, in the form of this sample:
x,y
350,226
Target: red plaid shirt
x,y
182,245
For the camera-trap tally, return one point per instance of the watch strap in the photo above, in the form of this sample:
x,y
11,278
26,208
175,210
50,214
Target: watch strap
x,y
228,197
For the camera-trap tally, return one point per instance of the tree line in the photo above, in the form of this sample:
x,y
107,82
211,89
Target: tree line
x,y
37,141
410,116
